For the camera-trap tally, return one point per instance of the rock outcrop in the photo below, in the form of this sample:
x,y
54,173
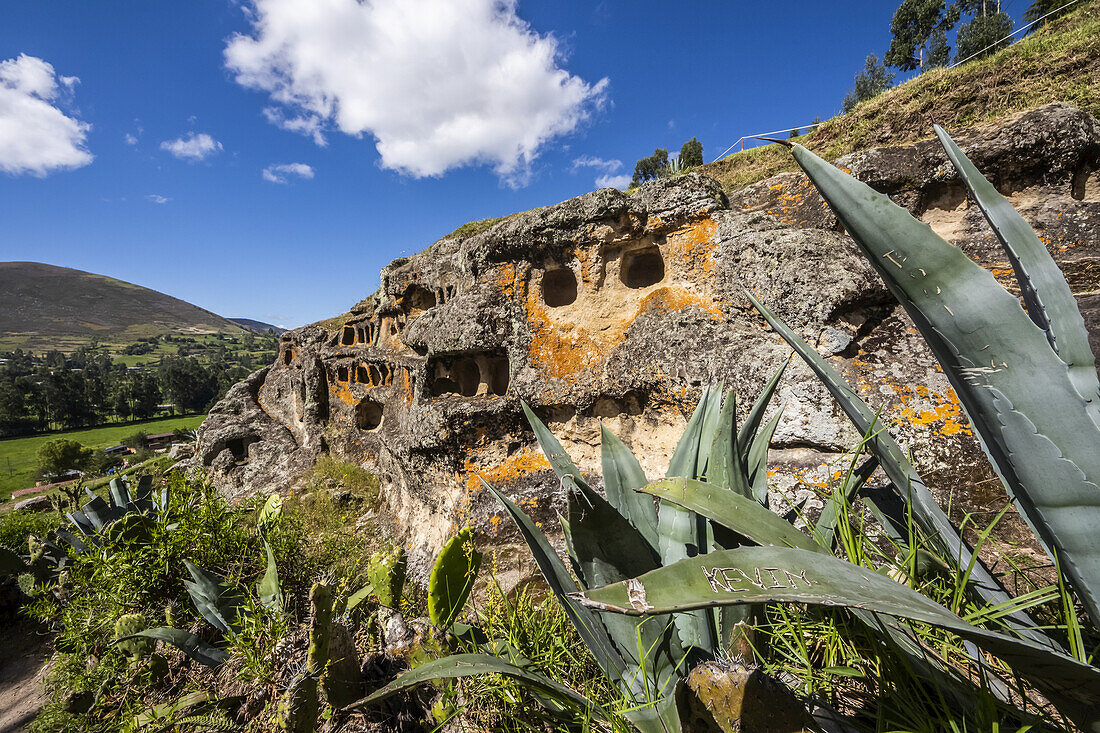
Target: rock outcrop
x,y
620,308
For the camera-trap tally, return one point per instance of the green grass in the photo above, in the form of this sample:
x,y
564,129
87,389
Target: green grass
x,y
18,455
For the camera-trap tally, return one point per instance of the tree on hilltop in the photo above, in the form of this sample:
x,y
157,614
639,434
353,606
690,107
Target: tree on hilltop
x,y
1039,8
912,26
985,34
691,153
650,167
939,53
872,81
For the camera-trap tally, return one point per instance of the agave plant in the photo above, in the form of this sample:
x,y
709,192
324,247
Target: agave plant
x,y
624,535
125,516
1028,384
219,603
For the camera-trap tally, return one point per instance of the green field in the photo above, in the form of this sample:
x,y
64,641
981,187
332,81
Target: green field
x,y
17,455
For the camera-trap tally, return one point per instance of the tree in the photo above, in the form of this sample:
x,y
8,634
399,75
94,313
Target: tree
x,y
913,24
872,81
1039,8
982,36
650,167
691,153
795,133
186,383
939,53
61,455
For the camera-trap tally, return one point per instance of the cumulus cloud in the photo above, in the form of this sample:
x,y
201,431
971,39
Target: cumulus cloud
x,y
283,172
36,137
130,139
588,161
192,147
607,168
156,198
437,83
621,181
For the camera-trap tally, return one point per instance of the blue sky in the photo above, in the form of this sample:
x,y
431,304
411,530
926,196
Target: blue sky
x,y
394,122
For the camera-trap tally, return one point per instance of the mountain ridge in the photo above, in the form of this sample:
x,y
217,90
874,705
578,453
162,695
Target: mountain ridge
x,y
50,306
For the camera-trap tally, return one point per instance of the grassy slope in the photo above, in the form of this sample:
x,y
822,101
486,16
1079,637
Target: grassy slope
x,y
1059,63
19,474
44,307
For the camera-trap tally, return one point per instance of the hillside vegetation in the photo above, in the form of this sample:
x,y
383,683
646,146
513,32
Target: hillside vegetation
x,y
47,307
1058,63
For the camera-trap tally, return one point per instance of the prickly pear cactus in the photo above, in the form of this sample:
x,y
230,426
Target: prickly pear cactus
x,y
298,712
129,625
386,572
452,578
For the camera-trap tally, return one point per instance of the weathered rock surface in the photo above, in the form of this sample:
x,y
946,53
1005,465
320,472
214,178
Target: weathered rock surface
x,y
620,308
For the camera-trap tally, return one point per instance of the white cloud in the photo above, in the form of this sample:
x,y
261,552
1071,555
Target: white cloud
x,y
192,147
437,83
588,161
282,172
156,198
35,136
622,181
130,139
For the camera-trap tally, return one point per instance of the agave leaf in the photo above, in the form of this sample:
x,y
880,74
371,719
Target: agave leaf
x,y
622,474
98,513
681,533
686,456
185,641
759,525
660,716
587,623
756,414
791,575
571,553
81,522
739,513
725,467
71,540
1049,301
120,498
610,549
143,496
268,589
559,460
1033,422
708,428
926,511
211,598
469,665
758,458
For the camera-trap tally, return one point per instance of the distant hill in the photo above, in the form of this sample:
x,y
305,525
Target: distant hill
x,y
258,326
49,307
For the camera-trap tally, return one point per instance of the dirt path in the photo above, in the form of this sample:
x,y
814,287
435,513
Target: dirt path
x,y
23,655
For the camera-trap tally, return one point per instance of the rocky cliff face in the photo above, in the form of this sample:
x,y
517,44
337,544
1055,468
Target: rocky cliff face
x,y
619,309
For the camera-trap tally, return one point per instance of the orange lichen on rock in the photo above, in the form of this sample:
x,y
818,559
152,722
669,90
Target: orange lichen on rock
x,y
562,351
921,406
695,244
506,279
677,298
342,391
512,468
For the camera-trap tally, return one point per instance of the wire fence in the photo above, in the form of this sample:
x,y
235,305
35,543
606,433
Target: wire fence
x,y
741,140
